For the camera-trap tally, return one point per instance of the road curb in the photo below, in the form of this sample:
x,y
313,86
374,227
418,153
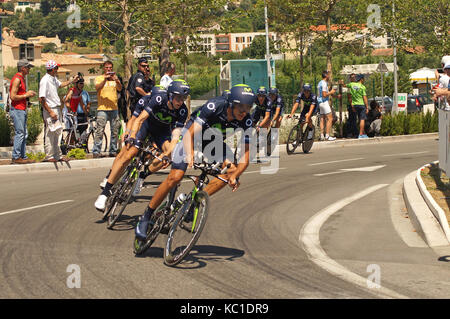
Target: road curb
x,y
423,220
57,167
437,211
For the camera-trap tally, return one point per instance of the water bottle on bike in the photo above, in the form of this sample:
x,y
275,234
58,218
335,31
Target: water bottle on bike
x,y
178,202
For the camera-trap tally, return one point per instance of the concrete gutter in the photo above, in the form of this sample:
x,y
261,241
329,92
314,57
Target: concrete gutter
x,y
423,220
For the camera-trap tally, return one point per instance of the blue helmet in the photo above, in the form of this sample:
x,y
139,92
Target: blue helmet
x,y
178,87
158,89
261,91
242,94
226,93
273,90
307,87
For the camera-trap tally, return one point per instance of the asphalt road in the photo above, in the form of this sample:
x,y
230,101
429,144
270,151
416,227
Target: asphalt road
x,y
252,244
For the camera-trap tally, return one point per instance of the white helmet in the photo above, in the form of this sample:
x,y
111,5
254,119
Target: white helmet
x,y
445,59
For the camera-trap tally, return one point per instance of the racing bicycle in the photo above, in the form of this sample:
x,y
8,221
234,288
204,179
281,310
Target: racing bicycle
x,y
299,135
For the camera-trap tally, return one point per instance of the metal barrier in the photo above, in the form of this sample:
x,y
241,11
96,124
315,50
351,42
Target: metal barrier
x,y
444,139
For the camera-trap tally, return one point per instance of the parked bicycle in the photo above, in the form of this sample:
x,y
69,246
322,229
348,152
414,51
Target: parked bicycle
x,y
72,139
300,135
122,191
182,218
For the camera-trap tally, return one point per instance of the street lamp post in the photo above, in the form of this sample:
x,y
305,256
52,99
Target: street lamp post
x,y
395,106
269,69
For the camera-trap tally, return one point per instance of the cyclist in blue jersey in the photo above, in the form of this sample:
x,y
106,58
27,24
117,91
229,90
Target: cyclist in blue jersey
x,y
162,117
217,114
308,103
262,109
276,105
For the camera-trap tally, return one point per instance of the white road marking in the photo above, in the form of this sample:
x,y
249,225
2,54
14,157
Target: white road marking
x,y
34,207
356,169
330,162
401,154
310,240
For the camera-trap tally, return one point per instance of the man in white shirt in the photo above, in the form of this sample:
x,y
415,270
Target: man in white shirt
x,y
51,103
444,80
323,98
166,79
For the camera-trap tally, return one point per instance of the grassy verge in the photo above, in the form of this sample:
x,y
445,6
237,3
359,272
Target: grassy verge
x,y
438,186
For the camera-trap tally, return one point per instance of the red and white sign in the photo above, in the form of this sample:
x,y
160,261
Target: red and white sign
x,y
402,101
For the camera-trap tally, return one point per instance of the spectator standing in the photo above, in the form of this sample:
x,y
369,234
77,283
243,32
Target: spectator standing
x,y
444,81
352,130
359,103
324,107
107,86
166,79
19,99
51,103
139,83
79,102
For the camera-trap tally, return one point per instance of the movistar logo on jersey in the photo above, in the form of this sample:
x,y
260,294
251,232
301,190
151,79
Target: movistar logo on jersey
x,y
166,119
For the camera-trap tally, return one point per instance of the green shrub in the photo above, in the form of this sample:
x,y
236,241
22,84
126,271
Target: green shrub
x,y
435,122
414,123
77,153
34,124
386,125
427,123
38,157
6,129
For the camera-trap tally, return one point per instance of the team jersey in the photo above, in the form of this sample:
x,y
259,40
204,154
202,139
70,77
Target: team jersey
x,y
307,102
143,101
323,87
160,114
277,103
260,110
213,114
357,90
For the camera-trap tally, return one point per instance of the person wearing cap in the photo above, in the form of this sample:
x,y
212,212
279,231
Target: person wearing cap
x,y
139,84
358,101
107,86
78,101
52,113
19,98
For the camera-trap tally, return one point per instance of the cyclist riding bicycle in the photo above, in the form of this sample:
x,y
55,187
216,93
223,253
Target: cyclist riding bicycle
x,y
308,102
162,117
157,89
262,109
214,117
276,105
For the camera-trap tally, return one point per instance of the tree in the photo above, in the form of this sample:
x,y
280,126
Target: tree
x,y
257,49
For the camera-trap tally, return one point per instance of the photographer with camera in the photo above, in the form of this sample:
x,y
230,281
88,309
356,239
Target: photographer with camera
x,y
107,86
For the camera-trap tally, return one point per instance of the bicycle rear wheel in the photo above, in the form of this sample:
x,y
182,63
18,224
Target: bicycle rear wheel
x,y
183,235
67,141
294,139
124,193
90,142
308,143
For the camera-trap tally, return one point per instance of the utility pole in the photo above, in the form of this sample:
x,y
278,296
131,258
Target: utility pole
x,y
395,106
100,37
269,69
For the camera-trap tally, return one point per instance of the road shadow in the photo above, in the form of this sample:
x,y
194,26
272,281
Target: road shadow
x,y
199,256
126,223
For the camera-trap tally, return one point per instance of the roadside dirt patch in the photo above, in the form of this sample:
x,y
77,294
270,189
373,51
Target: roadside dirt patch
x,y
438,185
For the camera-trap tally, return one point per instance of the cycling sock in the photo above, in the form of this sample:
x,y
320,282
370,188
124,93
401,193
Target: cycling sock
x,y
107,189
148,212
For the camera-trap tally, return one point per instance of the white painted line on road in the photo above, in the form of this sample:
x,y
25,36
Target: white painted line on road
x,y
34,207
266,170
331,173
356,169
330,162
401,154
310,240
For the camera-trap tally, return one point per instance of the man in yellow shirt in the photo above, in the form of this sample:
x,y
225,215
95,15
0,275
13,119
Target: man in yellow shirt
x,y
107,86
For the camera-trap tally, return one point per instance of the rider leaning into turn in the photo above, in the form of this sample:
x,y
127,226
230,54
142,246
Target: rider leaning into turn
x,y
262,109
219,114
276,104
308,102
162,118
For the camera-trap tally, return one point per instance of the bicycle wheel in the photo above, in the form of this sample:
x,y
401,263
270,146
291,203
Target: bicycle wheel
x,y
90,142
67,141
308,143
183,235
294,139
123,196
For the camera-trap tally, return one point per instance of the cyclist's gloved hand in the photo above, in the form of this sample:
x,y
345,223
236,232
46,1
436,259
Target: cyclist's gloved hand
x,y
130,141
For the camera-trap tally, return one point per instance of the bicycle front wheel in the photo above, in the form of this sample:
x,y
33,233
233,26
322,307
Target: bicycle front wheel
x,y
184,233
67,141
294,139
123,196
90,142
